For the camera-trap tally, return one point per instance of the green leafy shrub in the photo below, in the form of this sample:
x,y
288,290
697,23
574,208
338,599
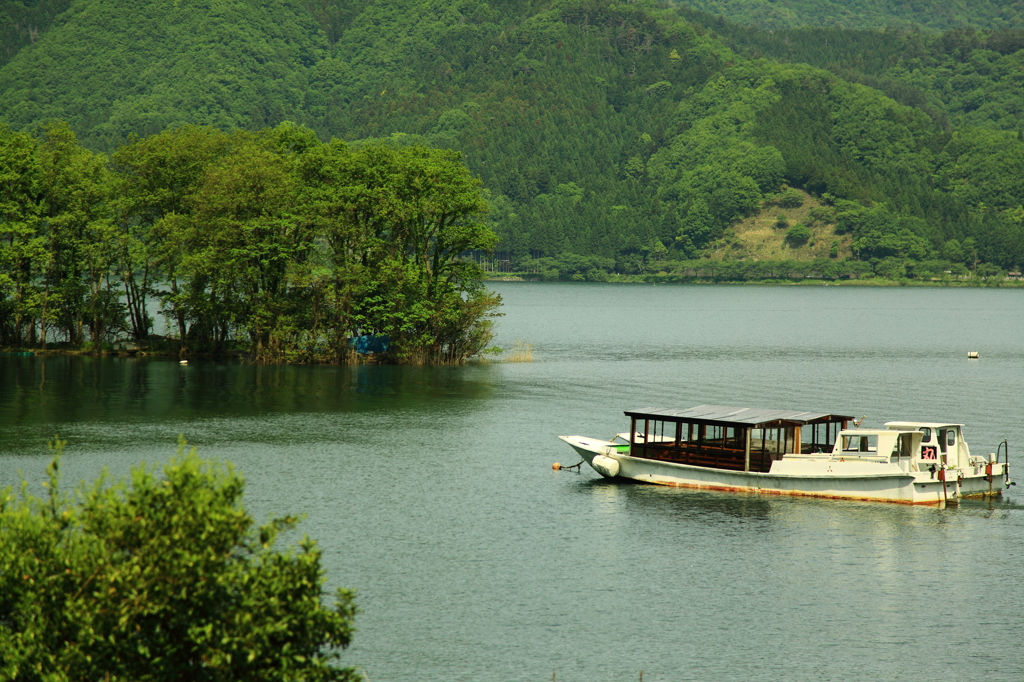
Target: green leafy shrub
x,y
798,235
161,578
790,198
891,268
989,270
822,214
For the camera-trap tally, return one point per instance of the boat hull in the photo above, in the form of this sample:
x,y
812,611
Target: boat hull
x,y
824,477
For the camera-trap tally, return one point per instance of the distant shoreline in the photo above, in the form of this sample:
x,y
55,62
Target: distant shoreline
x,y
141,351
1005,283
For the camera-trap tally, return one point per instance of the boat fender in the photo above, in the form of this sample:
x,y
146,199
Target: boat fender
x,y
606,466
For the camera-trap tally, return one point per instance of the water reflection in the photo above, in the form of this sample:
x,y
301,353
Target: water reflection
x,y
886,527
42,395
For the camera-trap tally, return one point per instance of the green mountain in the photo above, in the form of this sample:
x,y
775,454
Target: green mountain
x,y
615,134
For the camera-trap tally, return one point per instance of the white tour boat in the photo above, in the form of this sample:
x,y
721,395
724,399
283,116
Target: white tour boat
x,y
796,453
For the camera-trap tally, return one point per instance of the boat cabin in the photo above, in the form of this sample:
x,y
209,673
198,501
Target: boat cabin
x,y
941,444
735,438
892,446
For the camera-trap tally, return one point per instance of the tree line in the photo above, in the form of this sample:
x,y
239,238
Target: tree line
x,y
269,243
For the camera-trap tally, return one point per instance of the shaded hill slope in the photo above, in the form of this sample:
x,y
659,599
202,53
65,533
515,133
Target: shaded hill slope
x,y
22,22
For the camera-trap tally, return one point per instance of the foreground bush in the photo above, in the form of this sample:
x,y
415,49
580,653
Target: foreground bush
x,y
160,578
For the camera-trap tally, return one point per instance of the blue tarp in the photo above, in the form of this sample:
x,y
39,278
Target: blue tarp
x,y
370,344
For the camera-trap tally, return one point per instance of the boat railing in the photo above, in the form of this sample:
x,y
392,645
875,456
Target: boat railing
x,y
808,455
701,454
846,455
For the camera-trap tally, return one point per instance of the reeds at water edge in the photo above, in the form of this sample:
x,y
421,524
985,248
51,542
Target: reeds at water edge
x,y
521,352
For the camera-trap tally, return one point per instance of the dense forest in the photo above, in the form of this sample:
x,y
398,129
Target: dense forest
x,y
938,15
610,138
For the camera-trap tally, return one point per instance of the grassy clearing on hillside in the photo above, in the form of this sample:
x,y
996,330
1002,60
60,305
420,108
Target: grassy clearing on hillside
x,y
762,236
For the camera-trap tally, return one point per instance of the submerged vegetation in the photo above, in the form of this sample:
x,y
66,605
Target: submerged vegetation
x,y
272,244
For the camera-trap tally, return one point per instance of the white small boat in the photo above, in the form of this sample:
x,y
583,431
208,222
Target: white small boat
x,y
796,453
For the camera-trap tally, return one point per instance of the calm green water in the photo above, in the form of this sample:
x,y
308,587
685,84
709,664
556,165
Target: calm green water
x,y
431,489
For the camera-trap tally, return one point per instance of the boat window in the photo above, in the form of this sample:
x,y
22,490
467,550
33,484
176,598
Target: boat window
x,y
756,440
951,437
902,446
860,443
820,437
768,445
775,441
661,431
927,437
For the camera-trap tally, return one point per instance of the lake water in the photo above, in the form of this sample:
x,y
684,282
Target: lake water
x,y
431,490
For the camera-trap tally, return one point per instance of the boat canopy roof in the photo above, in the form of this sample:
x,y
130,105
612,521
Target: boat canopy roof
x,y
919,425
744,416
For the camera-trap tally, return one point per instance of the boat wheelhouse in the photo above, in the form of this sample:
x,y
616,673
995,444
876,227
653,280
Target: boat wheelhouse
x,y
795,453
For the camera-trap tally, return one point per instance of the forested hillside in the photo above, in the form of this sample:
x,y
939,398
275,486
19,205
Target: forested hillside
x,y
960,78
139,66
611,137
932,14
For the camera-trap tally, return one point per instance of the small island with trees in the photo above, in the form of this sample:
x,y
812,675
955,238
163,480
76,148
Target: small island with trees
x,y
270,244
